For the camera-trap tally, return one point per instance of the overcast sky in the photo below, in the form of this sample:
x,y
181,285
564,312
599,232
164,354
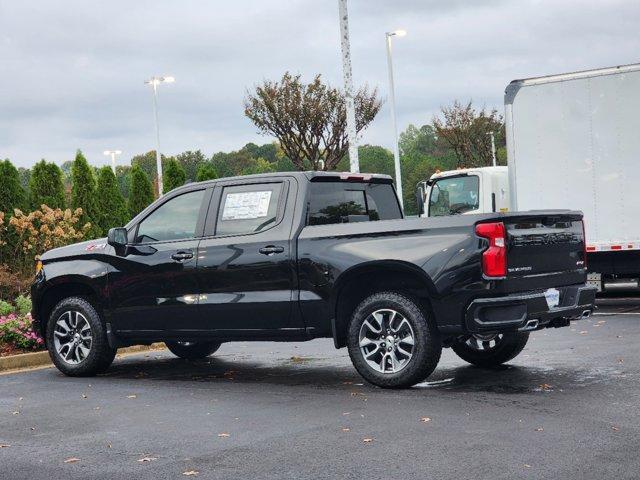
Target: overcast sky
x,y
72,72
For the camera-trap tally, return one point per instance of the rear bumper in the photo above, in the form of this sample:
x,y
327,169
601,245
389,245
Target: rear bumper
x,y
529,311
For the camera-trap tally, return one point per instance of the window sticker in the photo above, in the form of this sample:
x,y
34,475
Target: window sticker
x,y
246,205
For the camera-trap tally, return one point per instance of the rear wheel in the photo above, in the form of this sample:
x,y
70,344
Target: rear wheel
x,y
192,350
77,338
391,341
488,350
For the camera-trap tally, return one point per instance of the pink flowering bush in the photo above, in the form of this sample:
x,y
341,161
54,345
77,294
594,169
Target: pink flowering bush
x,y
16,331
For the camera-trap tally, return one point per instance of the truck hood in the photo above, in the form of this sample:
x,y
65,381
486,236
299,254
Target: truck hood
x,y
76,249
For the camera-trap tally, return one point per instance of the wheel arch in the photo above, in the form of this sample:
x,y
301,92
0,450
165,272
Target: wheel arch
x,y
61,288
357,283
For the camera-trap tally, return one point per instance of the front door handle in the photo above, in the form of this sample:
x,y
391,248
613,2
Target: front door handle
x,y
271,250
181,256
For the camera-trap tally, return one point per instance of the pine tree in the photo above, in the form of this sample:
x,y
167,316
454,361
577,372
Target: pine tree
x,y
206,171
173,176
12,194
45,185
112,209
83,193
140,191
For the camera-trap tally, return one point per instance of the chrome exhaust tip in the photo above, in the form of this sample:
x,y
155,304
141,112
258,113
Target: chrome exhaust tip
x,y
586,314
530,325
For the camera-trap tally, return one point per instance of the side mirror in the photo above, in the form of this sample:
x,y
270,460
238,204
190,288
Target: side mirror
x,y
117,237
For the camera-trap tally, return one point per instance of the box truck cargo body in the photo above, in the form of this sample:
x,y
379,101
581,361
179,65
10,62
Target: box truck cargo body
x,y
573,141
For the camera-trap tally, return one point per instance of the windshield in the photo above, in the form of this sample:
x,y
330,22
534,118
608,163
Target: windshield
x,y
454,195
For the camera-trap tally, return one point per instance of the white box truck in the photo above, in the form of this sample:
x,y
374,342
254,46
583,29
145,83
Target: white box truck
x,y
573,141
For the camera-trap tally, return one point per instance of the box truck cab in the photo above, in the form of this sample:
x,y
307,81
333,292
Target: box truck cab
x,y
466,190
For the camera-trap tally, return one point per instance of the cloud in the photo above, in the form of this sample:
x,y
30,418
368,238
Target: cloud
x,y
73,71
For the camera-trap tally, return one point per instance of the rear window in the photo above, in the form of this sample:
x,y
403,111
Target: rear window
x,y
343,202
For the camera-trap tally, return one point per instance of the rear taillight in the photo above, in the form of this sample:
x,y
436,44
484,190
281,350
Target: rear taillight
x,y
494,258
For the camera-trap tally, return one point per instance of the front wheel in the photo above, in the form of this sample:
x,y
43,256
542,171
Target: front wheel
x,y
392,342
77,339
488,350
192,350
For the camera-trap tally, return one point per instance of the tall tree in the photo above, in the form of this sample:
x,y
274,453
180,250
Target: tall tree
x,y
83,193
112,209
147,162
173,175
466,131
140,191
206,171
190,161
309,120
123,176
12,194
45,185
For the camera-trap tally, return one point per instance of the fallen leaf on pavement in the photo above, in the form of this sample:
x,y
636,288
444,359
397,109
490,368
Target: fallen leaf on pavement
x,y
367,440
345,429
3,445
583,332
614,428
72,460
224,435
84,395
190,473
539,429
15,413
526,465
425,419
132,396
147,459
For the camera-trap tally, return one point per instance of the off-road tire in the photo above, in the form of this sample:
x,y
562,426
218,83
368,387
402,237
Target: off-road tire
x,y
426,349
508,348
100,355
192,350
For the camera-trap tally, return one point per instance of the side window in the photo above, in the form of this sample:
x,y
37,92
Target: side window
x,y
248,208
453,196
338,202
173,220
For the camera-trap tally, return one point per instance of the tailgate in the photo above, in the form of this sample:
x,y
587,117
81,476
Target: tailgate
x,y
541,245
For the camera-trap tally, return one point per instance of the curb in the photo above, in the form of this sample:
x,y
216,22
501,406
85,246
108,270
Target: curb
x,y
42,359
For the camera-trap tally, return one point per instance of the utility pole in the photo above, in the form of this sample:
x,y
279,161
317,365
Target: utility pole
x,y
392,104
154,82
493,147
348,87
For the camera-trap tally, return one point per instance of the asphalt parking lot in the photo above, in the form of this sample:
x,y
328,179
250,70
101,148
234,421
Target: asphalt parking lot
x,y
565,408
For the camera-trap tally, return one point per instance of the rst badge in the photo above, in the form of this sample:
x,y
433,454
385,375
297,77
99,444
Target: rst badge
x,y
553,297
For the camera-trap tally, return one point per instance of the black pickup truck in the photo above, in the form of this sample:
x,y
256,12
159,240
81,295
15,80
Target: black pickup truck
x,y
297,256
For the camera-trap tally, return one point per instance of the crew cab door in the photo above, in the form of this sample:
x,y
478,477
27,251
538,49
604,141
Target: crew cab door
x,y
246,266
154,286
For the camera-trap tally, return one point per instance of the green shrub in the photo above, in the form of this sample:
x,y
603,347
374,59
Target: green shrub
x,y
45,186
83,193
11,193
23,304
206,171
111,205
6,308
173,176
140,192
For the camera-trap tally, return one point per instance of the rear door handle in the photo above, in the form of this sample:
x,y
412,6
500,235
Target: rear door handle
x,y
181,256
271,250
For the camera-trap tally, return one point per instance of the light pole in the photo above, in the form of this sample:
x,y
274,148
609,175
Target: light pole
x,y
392,103
493,147
154,82
354,162
113,154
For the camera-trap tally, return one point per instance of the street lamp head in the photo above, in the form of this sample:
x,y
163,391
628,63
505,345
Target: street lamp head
x,y
157,80
397,33
168,79
114,152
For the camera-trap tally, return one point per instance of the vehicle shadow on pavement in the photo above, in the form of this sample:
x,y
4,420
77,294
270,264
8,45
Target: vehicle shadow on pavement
x,y
319,373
